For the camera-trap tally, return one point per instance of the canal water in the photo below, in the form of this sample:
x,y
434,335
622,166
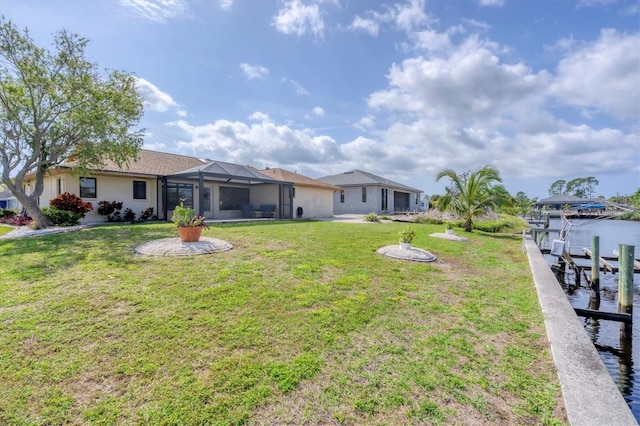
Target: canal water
x,y
621,356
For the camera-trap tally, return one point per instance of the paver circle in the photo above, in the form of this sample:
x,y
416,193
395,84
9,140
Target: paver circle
x,y
413,254
175,247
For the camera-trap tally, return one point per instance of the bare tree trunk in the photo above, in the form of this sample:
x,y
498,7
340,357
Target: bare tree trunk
x,y
30,204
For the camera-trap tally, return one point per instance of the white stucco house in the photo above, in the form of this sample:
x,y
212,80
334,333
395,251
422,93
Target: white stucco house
x,y
312,198
7,200
215,189
363,193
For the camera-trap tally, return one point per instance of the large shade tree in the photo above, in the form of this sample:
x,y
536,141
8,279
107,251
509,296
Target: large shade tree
x,y
55,107
472,193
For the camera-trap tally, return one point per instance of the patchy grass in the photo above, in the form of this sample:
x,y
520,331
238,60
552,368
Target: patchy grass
x,y
302,322
5,229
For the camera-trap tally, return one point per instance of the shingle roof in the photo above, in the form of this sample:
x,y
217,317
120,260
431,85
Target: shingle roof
x,y
298,179
227,171
564,198
360,178
155,163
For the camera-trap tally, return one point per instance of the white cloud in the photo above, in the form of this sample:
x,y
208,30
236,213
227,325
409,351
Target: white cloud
x,y
490,2
260,143
363,24
226,4
156,10
463,108
155,99
296,18
410,15
591,3
470,83
254,71
299,89
318,111
407,17
602,76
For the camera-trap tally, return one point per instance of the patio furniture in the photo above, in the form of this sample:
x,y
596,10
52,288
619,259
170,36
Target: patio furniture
x,y
247,210
266,210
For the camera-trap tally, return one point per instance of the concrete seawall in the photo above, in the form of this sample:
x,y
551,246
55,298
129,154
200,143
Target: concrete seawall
x,y
590,395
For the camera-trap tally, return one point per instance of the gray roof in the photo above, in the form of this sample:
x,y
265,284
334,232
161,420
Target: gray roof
x,y
360,178
227,172
6,194
565,198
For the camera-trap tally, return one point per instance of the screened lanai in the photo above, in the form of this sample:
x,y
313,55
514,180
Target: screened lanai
x,y
223,190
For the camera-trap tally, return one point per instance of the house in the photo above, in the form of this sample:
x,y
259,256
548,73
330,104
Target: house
x,y
562,201
7,200
312,198
158,180
363,193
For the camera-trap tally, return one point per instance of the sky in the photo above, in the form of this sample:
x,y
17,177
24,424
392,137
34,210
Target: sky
x,y
543,90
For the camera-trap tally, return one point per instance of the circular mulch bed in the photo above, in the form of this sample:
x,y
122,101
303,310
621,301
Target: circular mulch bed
x,y
175,247
413,254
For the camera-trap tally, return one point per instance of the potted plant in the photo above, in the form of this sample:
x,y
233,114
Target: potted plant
x,y
448,228
406,237
189,224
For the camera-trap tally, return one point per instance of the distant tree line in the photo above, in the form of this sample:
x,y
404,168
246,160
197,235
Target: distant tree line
x,y
580,187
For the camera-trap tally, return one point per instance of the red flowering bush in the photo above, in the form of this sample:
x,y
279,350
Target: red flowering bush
x,y
71,203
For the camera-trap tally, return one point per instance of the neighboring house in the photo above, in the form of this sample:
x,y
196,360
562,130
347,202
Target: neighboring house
x,y
312,198
562,201
363,193
7,200
215,189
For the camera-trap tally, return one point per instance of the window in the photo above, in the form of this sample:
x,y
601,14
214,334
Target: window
x,y
59,186
206,199
139,190
88,188
232,198
342,196
385,201
364,194
293,194
417,199
177,192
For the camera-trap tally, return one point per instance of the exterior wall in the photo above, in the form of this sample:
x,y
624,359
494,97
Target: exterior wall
x,y
9,203
120,188
108,188
353,201
315,202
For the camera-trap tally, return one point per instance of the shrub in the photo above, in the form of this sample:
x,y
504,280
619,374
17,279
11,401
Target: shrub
x,y
16,220
147,215
407,235
111,209
371,217
129,215
7,213
71,203
62,217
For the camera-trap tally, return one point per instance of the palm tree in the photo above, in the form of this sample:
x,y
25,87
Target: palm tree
x,y
471,194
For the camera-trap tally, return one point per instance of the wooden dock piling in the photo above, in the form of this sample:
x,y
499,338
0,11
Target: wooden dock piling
x,y
625,285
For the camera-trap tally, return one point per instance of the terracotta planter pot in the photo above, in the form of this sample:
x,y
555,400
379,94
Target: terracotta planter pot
x,y
189,234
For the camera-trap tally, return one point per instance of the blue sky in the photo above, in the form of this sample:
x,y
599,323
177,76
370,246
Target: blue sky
x,y
541,89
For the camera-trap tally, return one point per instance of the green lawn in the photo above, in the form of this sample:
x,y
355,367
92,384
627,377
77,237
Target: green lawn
x,y
5,229
302,322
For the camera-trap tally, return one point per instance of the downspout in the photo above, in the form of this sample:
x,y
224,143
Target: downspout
x,y
158,181
200,193
290,201
164,198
